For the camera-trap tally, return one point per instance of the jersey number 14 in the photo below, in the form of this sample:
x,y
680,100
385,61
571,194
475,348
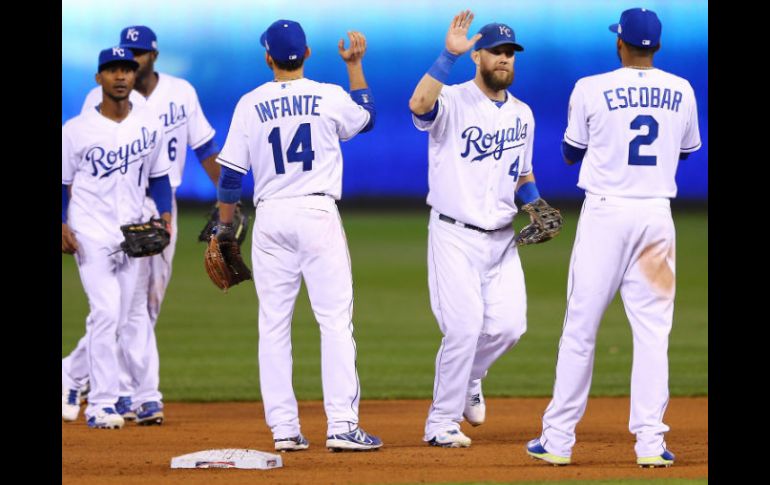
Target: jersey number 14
x,y
300,148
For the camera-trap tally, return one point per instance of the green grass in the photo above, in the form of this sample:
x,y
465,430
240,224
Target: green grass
x,y
208,340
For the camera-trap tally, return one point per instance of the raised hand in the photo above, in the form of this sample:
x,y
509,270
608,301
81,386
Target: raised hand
x,y
457,41
357,48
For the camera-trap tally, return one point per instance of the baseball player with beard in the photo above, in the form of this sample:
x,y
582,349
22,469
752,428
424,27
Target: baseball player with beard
x,y
480,158
288,132
110,156
176,105
629,127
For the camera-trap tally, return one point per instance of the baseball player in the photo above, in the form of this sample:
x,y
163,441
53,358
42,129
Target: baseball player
x,y
176,105
110,157
480,158
288,132
629,127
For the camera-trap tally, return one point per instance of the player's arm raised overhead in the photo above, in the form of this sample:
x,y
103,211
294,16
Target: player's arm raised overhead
x,y
359,90
426,93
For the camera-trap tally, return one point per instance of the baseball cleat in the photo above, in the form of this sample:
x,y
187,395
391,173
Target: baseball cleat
x,y
123,407
536,450
105,418
662,461
297,443
356,440
453,438
149,413
475,409
70,404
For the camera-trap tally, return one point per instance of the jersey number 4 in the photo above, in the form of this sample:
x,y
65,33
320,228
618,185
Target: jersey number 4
x,y
300,148
652,134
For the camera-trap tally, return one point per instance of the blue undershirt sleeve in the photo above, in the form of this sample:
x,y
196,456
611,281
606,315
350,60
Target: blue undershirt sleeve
x,y
572,153
229,187
160,191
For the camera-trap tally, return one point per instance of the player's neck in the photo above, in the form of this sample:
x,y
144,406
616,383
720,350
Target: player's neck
x,y
146,86
638,62
115,110
280,75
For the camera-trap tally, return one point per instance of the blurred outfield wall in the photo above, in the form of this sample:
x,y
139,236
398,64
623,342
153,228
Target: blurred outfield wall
x,y
215,45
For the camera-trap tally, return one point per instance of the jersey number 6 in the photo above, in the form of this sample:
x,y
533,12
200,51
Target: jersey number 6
x,y
300,148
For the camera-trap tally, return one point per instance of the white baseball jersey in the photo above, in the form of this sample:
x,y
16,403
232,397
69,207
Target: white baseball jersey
x,y
108,165
176,104
651,111
477,153
288,133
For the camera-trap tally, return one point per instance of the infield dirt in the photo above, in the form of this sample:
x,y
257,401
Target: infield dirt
x,y
604,449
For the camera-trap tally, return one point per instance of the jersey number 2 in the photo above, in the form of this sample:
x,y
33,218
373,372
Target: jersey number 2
x,y
652,134
300,148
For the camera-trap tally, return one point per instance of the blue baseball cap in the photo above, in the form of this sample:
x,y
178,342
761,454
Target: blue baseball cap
x,y
139,37
639,27
116,54
493,35
284,40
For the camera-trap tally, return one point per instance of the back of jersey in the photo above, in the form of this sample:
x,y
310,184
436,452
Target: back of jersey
x,y
634,124
288,133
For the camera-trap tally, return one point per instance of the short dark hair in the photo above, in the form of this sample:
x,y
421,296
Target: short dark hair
x,y
292,65
642,51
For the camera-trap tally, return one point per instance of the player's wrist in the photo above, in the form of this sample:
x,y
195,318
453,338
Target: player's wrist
x,y
443,64
528,193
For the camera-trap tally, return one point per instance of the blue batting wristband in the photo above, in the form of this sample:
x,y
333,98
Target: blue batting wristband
x,y
364,98
528,193
440,69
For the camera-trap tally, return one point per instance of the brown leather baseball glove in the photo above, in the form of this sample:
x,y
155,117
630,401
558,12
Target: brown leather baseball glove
x,y
546,223
223,260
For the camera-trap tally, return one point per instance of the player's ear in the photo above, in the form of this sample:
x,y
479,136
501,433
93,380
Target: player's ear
x,y
155,55
98,78
476,57
307,52
268,60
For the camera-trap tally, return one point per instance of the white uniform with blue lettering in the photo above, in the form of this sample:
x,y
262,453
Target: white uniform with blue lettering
x,y
175,103
288,133
108,165
477,153
634,124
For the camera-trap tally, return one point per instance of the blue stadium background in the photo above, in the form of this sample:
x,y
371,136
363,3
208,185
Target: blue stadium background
x,y
215,46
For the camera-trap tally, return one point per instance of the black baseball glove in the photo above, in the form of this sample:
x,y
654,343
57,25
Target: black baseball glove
x,y
223,261
546,223
146,238
240,225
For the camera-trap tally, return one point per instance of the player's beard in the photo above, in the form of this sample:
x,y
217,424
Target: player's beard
x,y
495,81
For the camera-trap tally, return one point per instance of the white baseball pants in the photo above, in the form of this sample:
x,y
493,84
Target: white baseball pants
x,y
109,282
295,238
478,297
153,276
627,244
